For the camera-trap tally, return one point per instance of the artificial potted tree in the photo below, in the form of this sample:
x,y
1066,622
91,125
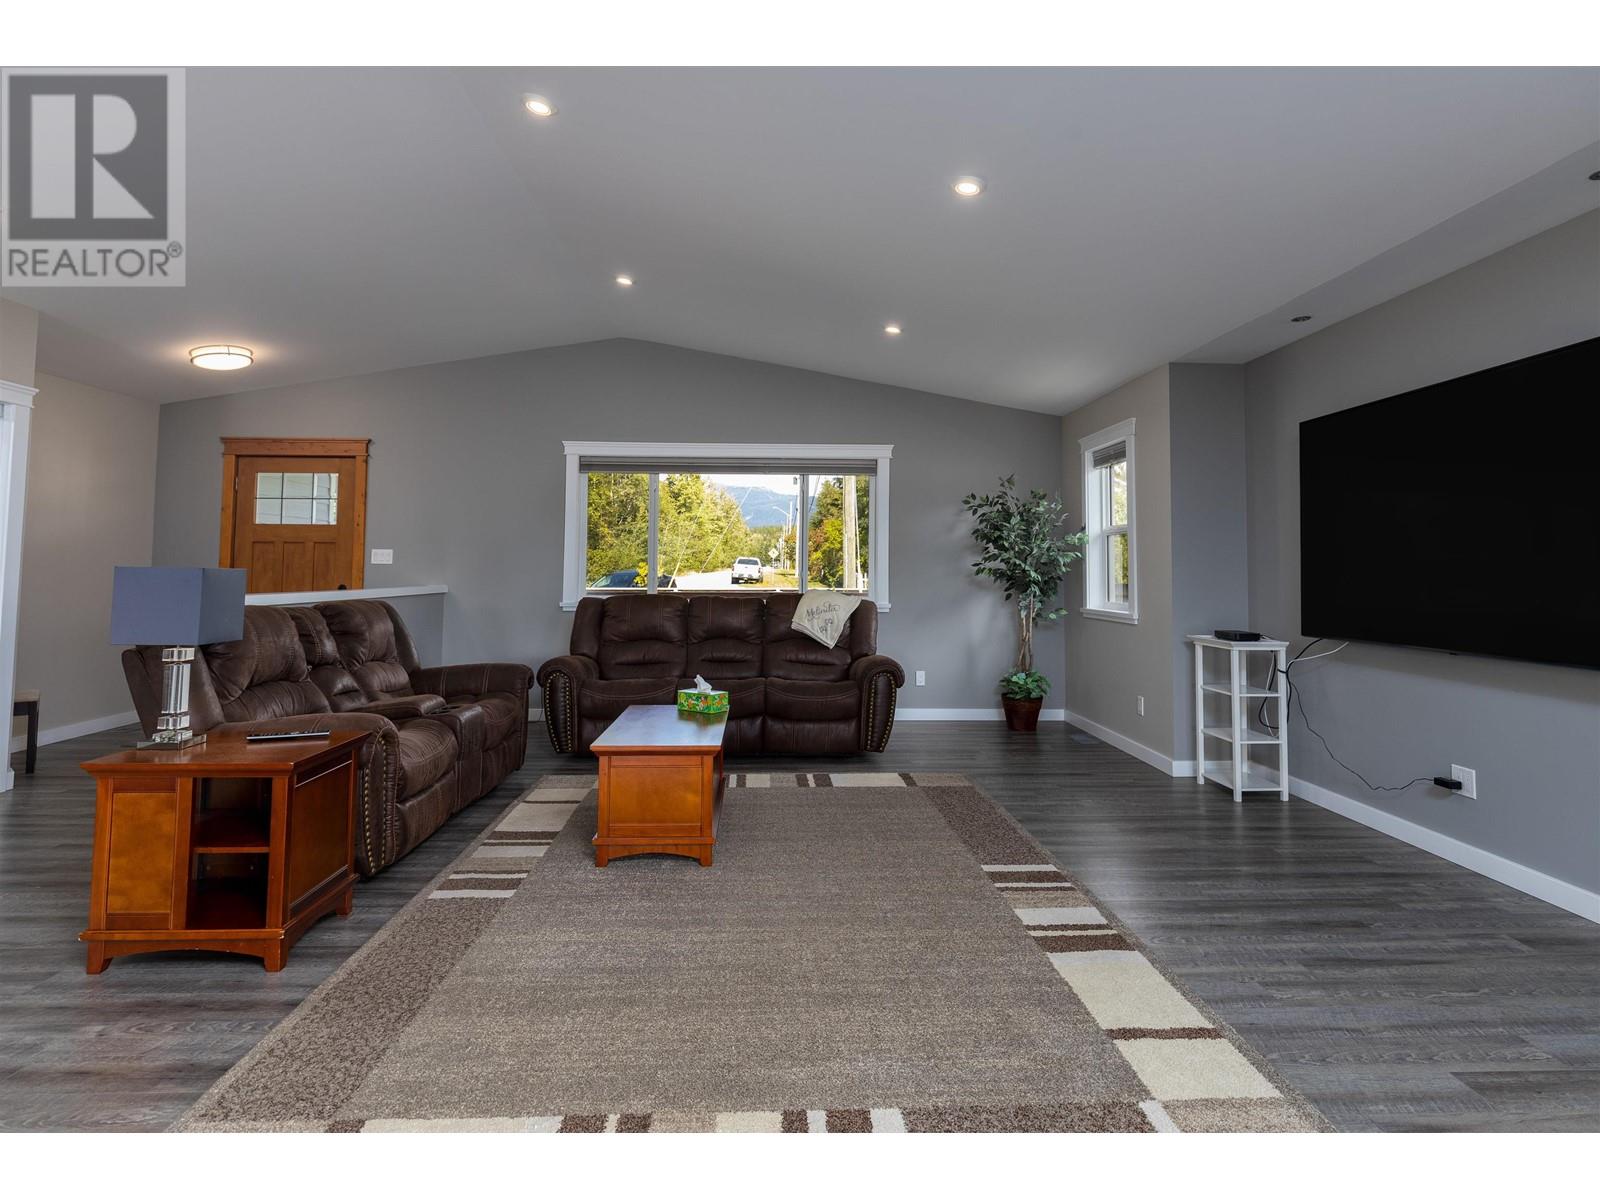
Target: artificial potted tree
x,y
1023,548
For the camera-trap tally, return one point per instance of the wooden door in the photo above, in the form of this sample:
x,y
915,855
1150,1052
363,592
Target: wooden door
x,y
295,522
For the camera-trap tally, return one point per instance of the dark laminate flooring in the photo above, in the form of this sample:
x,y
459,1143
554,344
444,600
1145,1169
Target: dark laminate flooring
x,y
1396,990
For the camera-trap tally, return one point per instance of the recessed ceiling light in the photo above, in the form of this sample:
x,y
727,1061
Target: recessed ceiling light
x,y
624,280
892,330
221,358
1300,318
967,185
538,106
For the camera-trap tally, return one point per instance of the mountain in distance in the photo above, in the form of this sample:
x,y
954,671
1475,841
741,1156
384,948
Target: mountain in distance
x,y
763,506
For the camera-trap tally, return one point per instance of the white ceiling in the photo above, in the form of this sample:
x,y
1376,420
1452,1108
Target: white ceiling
x,y
345,221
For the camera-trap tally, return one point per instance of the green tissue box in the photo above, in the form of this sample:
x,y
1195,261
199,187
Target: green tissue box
x,y
691,700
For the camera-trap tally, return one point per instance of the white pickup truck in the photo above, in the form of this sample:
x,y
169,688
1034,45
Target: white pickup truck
x,y
747,570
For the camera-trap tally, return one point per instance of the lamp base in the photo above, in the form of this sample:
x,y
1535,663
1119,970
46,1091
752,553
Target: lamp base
x,y
180,743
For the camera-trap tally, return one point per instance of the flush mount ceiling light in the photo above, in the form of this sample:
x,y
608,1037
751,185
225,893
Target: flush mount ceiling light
x,y
221,358
538,106
967,185
892,329
1302,317
625,281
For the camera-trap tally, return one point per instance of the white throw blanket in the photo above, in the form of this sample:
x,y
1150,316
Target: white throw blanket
x,y
822,615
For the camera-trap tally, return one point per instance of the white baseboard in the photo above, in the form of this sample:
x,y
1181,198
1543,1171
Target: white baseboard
x,y
62,733
1513,874
1178,768
970,714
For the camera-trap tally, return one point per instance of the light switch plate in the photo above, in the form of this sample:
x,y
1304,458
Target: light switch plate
x,y
382,556
922,678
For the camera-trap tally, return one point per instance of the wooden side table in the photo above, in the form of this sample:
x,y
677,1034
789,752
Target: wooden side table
x,y
228,845
661,781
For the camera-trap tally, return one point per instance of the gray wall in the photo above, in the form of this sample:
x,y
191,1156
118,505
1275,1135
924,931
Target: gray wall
x,y
466,483
19,327
1110,663
1532,732
1210,553
91,496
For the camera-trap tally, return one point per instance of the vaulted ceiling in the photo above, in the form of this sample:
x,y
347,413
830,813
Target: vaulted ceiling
x,y
345,221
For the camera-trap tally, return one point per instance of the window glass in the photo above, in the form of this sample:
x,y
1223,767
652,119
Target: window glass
x,y
722,531
619,530
837,539
1119,493
297,498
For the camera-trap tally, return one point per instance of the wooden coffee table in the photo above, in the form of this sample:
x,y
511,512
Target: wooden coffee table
x,y
660,784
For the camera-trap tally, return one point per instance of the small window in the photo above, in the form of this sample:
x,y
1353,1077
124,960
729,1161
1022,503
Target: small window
x,y
1110,562
297,498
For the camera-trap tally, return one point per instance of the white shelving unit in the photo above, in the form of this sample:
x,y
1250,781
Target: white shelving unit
x,y
1231,681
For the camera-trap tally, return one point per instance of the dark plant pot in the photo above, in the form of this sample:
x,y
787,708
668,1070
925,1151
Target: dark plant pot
x,y
1021,715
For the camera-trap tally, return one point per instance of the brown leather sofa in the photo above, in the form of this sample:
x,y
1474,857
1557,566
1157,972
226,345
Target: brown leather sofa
x,y
787,694
444,735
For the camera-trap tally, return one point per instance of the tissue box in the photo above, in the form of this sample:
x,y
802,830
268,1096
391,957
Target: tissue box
x,y
691,700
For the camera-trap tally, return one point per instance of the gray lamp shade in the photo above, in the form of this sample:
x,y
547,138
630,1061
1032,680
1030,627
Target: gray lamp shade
x,y
176,606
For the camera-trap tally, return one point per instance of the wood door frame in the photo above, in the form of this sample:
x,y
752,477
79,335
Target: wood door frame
x,y
235,448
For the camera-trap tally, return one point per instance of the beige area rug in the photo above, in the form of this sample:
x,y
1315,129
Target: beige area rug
x,y
869,953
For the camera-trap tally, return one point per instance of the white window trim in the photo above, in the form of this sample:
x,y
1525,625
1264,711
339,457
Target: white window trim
x,y
1129,615
574,542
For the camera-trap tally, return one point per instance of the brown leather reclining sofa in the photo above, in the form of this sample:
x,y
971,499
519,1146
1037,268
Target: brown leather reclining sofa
x,y
787,694
445,735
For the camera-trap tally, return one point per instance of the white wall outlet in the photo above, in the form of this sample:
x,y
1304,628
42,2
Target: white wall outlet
x,y
1141,705
382,556
922,678
1469,781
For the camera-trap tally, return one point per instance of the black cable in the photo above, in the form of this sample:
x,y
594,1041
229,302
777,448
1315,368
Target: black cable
x,y
1296,700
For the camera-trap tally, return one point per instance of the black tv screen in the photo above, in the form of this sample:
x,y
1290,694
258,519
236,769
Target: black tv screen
x,y
1462,516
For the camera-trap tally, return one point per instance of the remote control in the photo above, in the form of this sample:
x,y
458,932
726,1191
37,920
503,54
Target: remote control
x,y
295,736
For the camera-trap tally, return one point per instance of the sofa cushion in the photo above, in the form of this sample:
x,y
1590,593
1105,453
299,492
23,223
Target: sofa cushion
x,y
643,637
500,715
813,700
606,698
790,654
376,651
725,637
330,675
263,674
427,752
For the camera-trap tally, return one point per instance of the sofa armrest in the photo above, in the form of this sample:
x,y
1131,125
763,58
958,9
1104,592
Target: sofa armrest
x,y
474,679
377,782
880,678
864,668
400,708
576,667
561,678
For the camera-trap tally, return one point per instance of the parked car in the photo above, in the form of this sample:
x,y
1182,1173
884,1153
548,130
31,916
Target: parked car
x,y
629,579
747,570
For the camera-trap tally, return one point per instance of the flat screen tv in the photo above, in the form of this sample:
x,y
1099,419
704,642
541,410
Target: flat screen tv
x,y
1462,516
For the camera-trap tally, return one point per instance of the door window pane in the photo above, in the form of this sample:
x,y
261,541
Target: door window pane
x,y
286,498
837,536
619,530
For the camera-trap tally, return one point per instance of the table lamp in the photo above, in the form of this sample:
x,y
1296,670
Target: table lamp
x,y
176,608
